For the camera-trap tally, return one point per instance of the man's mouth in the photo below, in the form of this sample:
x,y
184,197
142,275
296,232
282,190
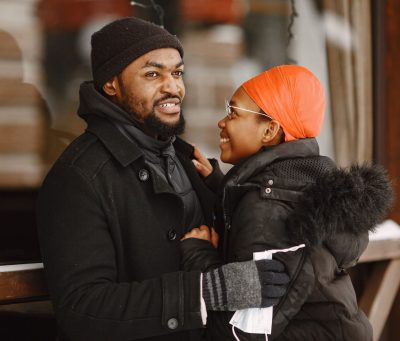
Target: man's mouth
x,y
169,106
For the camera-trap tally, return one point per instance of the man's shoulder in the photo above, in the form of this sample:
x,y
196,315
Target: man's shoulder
x,y
86,154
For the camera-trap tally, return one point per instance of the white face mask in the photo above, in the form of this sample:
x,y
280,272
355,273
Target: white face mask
x,y
257,320
253,320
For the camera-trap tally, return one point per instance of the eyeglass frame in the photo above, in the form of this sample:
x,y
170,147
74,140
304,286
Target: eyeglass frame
x,y
228,111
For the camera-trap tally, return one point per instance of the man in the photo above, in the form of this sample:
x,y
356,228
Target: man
x,y
114,206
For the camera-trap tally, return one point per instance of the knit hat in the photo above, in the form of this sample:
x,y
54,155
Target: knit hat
x,y
119,43
293,96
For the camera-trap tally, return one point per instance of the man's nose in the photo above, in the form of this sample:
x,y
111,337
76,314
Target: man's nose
x,y
171,85
221,123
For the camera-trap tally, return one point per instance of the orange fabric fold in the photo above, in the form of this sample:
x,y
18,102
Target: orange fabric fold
x,y
291,95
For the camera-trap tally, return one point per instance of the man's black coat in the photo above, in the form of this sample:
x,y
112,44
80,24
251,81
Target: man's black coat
x,y
109,230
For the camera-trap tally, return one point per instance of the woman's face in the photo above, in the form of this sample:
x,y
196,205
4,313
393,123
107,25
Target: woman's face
x,y
241,131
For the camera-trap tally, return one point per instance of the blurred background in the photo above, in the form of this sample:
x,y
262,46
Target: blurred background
x,y
351,45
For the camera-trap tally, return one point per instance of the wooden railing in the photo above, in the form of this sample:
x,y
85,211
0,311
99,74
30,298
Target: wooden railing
x,y
20,282
383,284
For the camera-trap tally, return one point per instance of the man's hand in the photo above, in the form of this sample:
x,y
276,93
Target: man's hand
x,y
203,232
251,284
203,166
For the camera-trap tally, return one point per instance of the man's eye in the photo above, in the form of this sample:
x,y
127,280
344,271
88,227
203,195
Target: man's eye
x,y
179,73
151,74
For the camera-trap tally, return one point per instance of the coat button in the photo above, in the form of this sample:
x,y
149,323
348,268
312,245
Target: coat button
x,y
171,234
268,190
172,323
143,175
270,182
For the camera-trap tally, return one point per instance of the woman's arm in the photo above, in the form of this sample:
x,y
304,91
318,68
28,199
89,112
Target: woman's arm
x,y
208,169
199,250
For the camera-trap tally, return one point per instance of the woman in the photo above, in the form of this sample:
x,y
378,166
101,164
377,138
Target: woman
x,y
281,193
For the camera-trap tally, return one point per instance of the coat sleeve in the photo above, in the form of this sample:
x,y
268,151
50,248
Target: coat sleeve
x,y
260,224
199,255
80,264
214,180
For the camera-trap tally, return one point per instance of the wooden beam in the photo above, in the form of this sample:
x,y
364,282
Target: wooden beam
x,y
381,250
22,284
386,90
379,295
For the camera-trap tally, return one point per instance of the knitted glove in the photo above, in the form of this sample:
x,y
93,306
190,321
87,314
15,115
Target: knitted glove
x,y
251,284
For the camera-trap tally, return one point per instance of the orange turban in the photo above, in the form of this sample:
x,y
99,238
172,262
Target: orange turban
x,y
293,96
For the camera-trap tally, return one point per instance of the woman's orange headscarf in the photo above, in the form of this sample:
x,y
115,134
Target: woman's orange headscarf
x,y
293,96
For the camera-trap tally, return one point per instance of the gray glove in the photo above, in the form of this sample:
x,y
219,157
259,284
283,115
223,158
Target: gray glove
x,y
251,284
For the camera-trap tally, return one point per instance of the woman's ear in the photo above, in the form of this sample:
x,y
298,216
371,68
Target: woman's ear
x,y
271,133
110,87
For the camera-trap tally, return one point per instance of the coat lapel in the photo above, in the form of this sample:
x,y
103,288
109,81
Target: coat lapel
x,y
184,151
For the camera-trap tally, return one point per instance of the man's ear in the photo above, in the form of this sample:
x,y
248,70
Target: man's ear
x,y
271,133
110,87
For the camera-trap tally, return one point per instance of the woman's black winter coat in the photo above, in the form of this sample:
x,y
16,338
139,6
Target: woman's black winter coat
x,y
286,195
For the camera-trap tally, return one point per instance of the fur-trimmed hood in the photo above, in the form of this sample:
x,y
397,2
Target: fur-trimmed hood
x,y
341,208
352,200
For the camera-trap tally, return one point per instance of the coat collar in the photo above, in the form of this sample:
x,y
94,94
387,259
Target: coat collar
x,y
120,146
257,162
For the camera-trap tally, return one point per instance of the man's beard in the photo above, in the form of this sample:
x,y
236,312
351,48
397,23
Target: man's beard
x,y
162,129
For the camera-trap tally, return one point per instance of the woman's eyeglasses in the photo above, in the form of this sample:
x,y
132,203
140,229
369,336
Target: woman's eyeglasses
x,y
228,109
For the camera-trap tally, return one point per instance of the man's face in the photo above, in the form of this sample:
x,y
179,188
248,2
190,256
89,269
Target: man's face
x,y
151,89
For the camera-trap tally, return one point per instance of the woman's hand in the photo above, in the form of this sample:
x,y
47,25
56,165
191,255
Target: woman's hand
x,y
201,163
203,232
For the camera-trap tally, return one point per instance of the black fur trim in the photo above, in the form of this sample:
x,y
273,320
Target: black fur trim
x,y
350,200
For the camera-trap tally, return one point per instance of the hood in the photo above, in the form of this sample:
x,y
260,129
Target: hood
x,y
346,202
92,102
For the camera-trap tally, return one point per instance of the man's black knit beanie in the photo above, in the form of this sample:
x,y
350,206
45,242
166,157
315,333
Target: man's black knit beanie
x,y
119,43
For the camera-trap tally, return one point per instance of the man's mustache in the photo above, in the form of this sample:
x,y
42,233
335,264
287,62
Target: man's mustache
x,y
167,97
